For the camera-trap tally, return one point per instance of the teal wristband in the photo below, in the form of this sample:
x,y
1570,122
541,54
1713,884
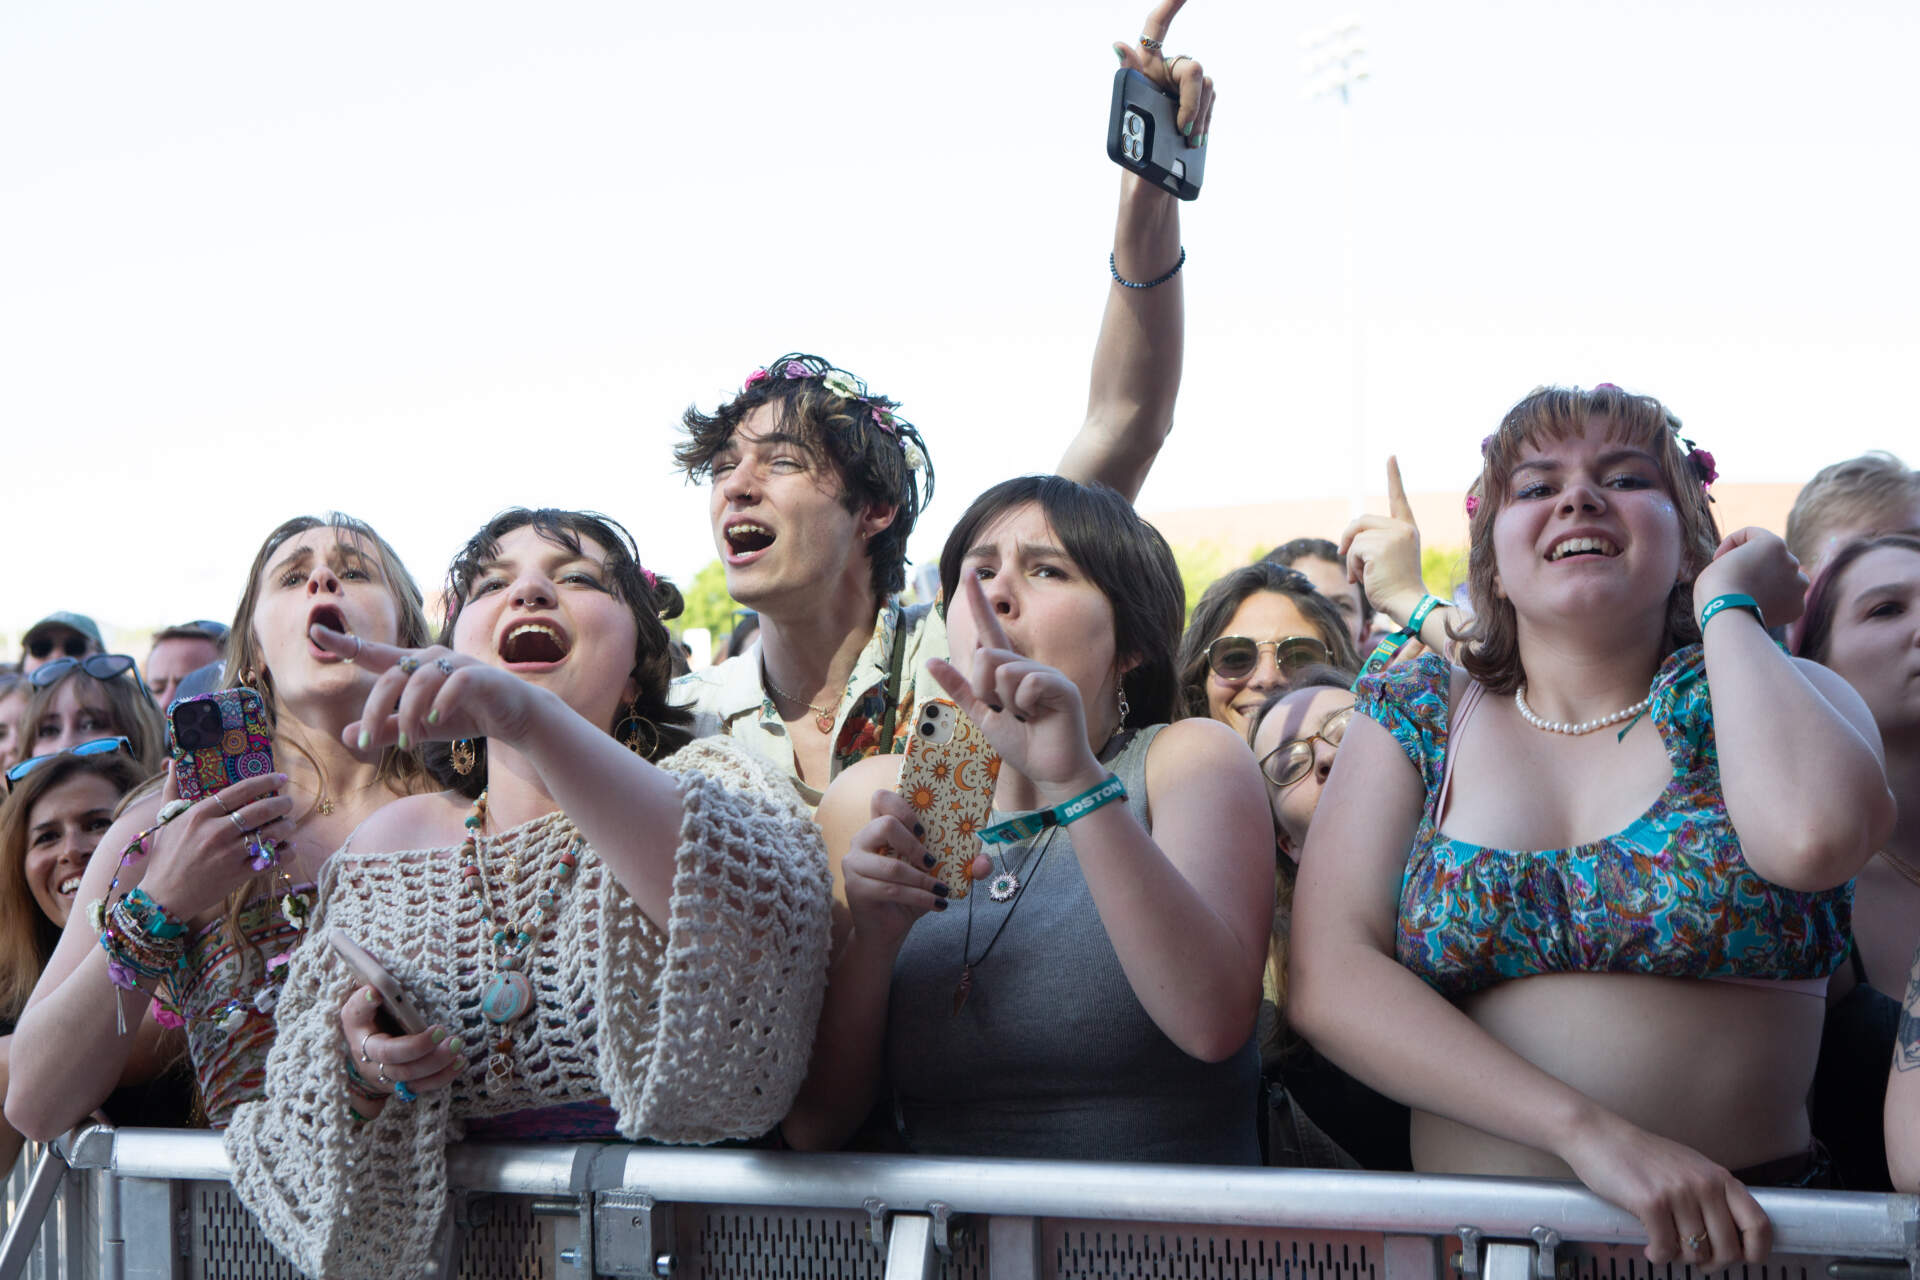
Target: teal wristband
x,y
1394,642
1032,824
1732,600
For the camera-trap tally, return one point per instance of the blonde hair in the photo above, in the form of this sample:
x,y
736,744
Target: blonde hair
x,y
1845,494
1490,638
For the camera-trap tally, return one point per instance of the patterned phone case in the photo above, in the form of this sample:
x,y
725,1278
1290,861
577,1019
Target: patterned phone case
x,y
245,749
949,779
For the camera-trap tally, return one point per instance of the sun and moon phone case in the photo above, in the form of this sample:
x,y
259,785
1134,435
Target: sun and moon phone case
x,y
219,739
948,778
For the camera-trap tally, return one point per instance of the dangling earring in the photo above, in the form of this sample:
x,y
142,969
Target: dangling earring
x,y
632,739
462,756
1125,710
248,678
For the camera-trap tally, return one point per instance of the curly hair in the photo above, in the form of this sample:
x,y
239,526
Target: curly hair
x,y
861,438
650,598
1223,599
1490,638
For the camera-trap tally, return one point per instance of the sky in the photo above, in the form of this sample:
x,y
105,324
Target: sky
x,y
422,261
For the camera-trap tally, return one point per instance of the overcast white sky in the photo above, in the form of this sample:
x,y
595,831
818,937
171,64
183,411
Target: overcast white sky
x,y
420,261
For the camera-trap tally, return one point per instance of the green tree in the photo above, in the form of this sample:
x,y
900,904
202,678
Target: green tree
x,y
708,604
1443,569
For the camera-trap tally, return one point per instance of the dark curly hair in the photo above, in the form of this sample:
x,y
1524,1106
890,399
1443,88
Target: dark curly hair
x,y
862,438
1219,602
650,598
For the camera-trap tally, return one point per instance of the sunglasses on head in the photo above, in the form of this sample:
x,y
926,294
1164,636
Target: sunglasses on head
x,y
101,666
1235,657
97,747
1291,761
73,644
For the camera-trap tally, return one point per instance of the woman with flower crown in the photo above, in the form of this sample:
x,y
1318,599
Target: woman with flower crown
x,y
563,914
1639,1003
220,888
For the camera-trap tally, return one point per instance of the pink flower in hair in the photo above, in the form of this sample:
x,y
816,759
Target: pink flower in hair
x,y
755,378
653,582
883,420
1473,505
1486,441
1703,464
1605,386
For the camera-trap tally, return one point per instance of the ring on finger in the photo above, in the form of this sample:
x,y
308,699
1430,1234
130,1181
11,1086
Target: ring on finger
x,y
1695,1243
215,797
238,825
409,664
1149,44
363,1047
381,1074
445,665
1173,63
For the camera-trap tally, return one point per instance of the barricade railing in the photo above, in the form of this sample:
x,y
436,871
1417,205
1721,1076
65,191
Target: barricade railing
x,y
162,1210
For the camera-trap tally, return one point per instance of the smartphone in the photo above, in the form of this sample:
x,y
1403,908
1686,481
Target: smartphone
x,y
1143,136
218,740
948,777
397,1008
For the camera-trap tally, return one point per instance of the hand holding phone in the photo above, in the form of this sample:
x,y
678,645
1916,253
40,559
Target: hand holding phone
x,y
1162,109
397,1007
948,778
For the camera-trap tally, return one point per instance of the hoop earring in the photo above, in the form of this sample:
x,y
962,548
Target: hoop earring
x,y
632,738
462,756
1125,710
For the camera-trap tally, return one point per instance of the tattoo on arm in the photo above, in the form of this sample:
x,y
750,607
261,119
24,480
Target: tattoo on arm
x,y
1906,1046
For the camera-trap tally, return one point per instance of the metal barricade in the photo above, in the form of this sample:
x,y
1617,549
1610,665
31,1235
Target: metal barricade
x,y
163,1211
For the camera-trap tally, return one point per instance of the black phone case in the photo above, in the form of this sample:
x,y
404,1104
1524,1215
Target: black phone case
x,y
1143,136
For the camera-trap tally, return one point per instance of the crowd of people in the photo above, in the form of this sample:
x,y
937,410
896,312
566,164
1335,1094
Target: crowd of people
x,y
1605,867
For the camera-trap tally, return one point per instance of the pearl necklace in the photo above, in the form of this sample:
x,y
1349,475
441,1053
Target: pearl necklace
x,y
1585,726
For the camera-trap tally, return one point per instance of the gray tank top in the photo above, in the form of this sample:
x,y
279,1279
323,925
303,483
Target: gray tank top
x,y
1052,1054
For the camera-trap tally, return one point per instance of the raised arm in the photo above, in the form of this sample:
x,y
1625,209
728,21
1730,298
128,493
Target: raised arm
x,y
1383,555
1903,1091
1137,361
1360,1007
1779,718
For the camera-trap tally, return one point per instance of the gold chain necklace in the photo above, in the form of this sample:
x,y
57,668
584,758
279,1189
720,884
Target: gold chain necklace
x,y
822,716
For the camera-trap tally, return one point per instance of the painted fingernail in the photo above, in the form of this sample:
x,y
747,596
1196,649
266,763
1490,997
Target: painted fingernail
x,y
1202,142
433,716
403,739
457,1045
939,904
365,738
1017,716
994,706
373,997
920,828
941,891
437,1034
280,778
927,858
1187,128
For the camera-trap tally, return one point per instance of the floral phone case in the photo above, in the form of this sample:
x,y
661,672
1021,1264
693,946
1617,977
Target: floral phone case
x,y
218,740
948,778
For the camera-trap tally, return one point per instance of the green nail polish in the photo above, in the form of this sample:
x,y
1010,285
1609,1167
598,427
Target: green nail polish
x,y
403,739
365,738
1120,57
1187,128
457,1045
433,716
1202,142
438,1034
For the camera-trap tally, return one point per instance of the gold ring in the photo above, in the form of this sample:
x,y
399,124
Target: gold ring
x,y
1175,61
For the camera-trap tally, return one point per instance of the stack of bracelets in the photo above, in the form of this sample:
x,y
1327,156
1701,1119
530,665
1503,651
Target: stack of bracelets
x,y
143,941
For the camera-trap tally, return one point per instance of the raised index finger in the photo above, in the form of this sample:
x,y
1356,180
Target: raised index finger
x,y
1160,18
370,654
991,636
1397,503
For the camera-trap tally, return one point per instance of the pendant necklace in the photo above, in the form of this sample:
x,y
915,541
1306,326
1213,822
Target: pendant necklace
x,y
1006,882
964,987
508,995
822,716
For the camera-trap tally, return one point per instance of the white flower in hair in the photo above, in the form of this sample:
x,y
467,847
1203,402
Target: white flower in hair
x,y
841,384
916,460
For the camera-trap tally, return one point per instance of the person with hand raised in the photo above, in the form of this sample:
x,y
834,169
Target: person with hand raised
x,y
1106,1009
1382,553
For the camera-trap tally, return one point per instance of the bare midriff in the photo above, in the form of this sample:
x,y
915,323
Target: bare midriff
x,y
1722,1068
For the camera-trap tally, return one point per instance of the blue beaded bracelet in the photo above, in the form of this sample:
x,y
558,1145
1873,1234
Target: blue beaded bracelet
x,y
1114,267
1032,824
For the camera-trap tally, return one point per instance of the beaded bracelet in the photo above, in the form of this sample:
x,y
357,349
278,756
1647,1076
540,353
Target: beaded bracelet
x,y
1113,266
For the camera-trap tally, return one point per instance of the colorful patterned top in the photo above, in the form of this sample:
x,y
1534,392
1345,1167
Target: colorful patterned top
x,y
1670,895
231,1068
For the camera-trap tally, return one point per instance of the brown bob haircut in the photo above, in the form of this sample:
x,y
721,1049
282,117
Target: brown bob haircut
x,y
1490,649
660,726
1124,556
1812,632
868,459
1221,600
27,936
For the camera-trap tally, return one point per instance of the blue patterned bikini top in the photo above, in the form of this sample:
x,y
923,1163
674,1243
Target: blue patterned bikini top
x,y
1670,895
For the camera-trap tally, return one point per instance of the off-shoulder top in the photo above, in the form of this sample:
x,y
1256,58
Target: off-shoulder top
x,y
1669,895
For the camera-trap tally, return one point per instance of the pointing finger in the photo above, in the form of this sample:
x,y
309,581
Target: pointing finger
x,y
1397,503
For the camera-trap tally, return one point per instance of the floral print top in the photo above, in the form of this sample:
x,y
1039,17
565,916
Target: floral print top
x,y
1670,895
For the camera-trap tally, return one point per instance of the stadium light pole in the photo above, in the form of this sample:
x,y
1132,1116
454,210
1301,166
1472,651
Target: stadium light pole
x,y
1333,61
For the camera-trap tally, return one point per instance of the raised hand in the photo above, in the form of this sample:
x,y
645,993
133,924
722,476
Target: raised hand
x,y
422,695
1753,562
1178,74
206,853
1029,712
1383,552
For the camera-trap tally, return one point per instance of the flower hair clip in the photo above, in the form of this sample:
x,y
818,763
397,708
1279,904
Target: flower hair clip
x,y
1704,468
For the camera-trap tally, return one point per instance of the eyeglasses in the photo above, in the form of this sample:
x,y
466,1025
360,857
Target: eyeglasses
x,y
73,644
1235,657
101,666
97,747
1291,761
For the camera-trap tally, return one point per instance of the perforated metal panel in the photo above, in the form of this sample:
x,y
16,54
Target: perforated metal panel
x,y
223,1241
731,1243
1625,1262
510,1243
1091,1250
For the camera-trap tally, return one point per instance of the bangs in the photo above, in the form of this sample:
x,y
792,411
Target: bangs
x,y
1550,415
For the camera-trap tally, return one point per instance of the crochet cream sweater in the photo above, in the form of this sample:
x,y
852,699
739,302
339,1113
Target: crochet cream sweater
x,y
700,1035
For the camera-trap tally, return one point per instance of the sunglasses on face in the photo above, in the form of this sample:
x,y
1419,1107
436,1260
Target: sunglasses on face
x,y
1291,761
1235,657
97,747
101,666
73,644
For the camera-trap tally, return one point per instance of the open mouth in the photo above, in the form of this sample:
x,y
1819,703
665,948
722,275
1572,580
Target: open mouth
x,y
331,617
1567,548
534,643
747,538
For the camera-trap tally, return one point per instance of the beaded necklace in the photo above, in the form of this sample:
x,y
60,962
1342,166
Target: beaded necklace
x,y
508,995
